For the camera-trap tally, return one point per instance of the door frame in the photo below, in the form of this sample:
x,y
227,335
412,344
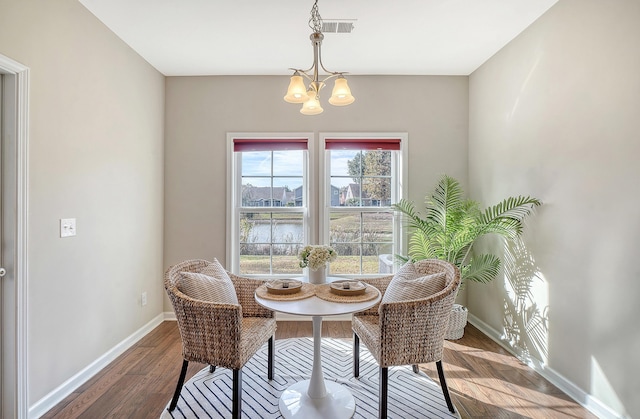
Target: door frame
x,y
16,290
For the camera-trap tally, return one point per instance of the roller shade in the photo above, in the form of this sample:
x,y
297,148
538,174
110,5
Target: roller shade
x,y
362,144
271,144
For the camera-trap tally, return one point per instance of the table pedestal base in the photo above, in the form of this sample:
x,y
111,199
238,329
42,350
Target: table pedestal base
x,y
337,404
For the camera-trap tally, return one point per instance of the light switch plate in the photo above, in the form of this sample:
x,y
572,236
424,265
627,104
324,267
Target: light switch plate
x,y
67,227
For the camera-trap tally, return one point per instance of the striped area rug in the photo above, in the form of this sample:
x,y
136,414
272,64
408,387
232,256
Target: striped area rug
x,y
410,395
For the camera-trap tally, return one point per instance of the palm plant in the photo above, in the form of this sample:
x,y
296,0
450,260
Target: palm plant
x,y
453,224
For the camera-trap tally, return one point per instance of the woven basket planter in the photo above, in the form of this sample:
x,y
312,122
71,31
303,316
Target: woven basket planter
x,y
457,322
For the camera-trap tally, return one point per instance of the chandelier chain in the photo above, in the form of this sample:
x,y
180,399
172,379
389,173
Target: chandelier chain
x,y
315,21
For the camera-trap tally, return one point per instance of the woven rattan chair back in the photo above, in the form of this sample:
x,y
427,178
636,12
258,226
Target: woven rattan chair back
x,y
217,334
407,332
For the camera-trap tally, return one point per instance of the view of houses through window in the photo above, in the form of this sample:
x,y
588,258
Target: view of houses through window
x,y
361,223
273,216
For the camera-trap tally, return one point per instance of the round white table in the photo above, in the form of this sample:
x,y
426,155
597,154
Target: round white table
x,y
316,398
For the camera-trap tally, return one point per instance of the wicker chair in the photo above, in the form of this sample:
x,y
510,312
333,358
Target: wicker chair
x,y
407,332
225,335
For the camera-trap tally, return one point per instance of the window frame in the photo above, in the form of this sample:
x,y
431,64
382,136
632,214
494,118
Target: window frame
x,y
399,171
234,192
316,190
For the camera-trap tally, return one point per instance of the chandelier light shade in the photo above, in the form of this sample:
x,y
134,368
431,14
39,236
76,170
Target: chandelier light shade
x,y
312,105
341,95
309,95
297,92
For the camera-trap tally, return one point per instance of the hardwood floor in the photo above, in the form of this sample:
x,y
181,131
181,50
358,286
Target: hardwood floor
x,y
484,380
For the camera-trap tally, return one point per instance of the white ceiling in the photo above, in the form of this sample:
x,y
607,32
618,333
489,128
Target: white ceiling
x,y
266,37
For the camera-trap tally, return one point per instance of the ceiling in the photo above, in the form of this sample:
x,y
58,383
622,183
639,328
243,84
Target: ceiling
x,y
266,37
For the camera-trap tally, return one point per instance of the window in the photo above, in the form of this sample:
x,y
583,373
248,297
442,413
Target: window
x,y
364,179
269,222
273,212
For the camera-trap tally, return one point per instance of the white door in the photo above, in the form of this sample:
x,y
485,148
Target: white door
x,y
7,303
13,199
6,342
1,266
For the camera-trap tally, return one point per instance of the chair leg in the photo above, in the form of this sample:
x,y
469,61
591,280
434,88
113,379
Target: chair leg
x,y
270,360
176,395
212,369
382,392
356,355
445,390
236,408
416,369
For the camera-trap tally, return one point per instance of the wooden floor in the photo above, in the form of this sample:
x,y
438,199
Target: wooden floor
x,y
485,381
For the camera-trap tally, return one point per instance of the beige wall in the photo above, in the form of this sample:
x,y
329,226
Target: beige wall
x,y
201,110
96,154
555,115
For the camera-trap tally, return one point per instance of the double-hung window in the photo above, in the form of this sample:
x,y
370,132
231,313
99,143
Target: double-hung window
x,y
363,178
269,220
275,207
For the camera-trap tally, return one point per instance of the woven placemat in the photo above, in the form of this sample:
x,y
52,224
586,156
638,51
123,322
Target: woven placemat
x,y
306,291
324,291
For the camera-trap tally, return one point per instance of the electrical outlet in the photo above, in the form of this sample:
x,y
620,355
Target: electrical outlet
x,y
67,227
143,299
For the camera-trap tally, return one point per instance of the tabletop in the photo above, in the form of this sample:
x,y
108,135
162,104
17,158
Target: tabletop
x,y
314,306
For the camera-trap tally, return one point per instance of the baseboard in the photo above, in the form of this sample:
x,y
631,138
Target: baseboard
x,y
587,401
45,404
170,315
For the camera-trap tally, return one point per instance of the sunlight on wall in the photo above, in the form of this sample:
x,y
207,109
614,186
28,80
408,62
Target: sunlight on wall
x,y
602,390
523,88
526,304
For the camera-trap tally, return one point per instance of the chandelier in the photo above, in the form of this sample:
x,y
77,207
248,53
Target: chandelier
x,y
309,95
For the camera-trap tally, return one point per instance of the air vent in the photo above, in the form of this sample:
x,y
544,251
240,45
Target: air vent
x,y
337,26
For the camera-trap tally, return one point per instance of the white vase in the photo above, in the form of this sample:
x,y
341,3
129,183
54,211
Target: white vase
x,y
318,276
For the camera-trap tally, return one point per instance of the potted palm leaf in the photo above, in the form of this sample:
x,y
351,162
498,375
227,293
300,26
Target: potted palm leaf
x,y
452,224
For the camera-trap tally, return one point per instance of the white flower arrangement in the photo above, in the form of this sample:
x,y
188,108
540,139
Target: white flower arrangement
x,y
316,257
